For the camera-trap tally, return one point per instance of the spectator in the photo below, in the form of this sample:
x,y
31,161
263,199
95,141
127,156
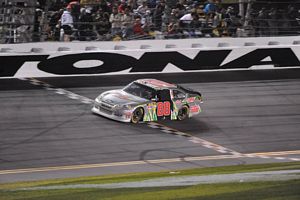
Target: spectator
x,y
272,21
210,7
23,28
175,16
132,4
115,20
102,23
36,28
262,22
54,24
141,10
122,6
292,15
186,19
105,6
173,31
181,8
127,23
171,3
137,27
75,11
158,13
101,17
67,24
152,4
147,22
86,25
232,21
195,26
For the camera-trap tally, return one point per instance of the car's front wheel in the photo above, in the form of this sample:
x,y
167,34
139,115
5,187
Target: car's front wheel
x,y
137,115
183,113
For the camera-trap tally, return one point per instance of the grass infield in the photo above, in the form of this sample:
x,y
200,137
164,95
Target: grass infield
x,y
240,190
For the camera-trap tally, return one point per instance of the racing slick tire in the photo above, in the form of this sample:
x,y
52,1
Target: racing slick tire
x,y
137,115
183,113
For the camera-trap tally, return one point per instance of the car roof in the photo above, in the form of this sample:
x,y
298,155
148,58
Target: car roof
x,y
156,84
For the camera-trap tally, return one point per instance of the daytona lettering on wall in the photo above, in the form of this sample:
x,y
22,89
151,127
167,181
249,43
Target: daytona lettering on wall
x,y
149,61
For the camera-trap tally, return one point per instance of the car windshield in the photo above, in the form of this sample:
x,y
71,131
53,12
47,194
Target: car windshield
x,y
140,90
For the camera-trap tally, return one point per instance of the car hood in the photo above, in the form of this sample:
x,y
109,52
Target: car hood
x,y
120,97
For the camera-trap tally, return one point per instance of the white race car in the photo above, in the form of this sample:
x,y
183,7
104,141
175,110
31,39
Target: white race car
x,y
148,100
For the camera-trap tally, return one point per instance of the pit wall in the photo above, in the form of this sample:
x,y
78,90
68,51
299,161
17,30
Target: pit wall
x,y
147,56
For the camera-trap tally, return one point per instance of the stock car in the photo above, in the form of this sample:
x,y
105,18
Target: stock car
x,y
147,100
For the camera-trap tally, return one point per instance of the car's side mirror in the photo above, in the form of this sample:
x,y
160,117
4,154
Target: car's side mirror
x,y
154,99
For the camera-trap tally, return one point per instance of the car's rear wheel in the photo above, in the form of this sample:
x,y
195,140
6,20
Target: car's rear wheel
x,y
137,115
183,113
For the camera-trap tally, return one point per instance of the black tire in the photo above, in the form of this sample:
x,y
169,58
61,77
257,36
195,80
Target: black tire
x,y
183,113
137,115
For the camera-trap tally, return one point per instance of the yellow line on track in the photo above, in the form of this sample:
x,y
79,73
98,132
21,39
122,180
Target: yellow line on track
x,y
277,153
170,160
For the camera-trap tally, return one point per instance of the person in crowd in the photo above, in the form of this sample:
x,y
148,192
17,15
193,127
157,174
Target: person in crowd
x,y
105,6
195,26
86,27
23,29
75,11
232,21
272,19
158,14
186,19
127,21
132,4
175,16
219,24
54,24
152,3
103,26
292,15
210,7
141,10
137,27
115,20
36,36
67,24
181,8
173,31
147,22
262,22
122,6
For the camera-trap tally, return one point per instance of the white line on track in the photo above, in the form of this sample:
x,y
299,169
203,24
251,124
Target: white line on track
x,y
60,91
216,147
161,127
193,139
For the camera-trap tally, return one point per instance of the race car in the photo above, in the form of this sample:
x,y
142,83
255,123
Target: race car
x,y
147,100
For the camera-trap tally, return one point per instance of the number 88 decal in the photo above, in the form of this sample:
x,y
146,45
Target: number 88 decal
x,y
163,108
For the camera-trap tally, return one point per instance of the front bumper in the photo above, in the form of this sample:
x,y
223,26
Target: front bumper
x,y
118,115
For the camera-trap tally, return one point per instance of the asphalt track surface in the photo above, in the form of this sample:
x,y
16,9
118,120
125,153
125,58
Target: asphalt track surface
x,y
48,131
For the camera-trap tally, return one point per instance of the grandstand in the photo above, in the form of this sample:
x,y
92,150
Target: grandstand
x,y
105,20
